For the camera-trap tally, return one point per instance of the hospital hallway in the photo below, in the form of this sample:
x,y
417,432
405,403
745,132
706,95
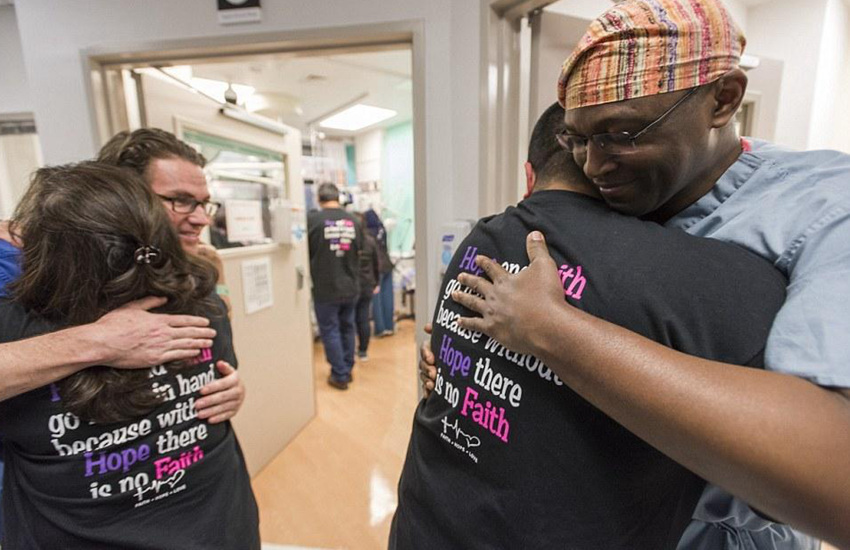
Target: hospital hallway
x,y
334,486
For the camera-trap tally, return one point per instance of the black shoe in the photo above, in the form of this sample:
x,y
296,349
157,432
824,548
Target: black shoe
x,y
337,384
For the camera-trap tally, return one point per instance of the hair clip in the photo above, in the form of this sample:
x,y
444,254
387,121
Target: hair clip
x,y
146,254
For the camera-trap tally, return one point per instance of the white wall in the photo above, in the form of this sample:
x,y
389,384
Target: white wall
x,y
770,30
14,92
842,109
826,130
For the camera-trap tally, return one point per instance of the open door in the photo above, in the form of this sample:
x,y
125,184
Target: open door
x,y
255,173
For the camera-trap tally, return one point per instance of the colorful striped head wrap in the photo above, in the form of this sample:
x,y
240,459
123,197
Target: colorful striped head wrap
x,y
644,47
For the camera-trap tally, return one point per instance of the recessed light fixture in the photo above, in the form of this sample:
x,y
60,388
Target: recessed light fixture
x,y
357,117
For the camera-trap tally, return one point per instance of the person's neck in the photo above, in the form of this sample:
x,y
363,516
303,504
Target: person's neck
x,y
726,154
329,205
580,187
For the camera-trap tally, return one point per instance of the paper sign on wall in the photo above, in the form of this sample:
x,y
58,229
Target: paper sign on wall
x,y
244,220
257,284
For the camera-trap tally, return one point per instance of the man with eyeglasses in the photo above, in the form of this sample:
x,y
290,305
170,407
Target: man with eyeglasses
x,y
778,439
174,170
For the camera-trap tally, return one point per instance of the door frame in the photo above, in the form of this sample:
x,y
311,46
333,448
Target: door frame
x,y
411,33
505,108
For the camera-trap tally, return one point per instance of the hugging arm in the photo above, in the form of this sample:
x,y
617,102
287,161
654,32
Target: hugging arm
x,y
128,337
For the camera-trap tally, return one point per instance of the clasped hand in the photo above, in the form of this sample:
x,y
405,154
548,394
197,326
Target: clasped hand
x,y
513,309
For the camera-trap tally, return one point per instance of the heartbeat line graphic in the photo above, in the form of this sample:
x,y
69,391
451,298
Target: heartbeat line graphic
x,y
471,440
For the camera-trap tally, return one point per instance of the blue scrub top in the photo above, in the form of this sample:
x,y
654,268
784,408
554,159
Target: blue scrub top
x,y
792,208
10,265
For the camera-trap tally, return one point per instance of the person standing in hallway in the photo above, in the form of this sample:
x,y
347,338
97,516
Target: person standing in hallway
x,y
334,238
369,275
383,306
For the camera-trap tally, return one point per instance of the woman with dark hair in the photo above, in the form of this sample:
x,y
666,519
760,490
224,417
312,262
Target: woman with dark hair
x,y
110,458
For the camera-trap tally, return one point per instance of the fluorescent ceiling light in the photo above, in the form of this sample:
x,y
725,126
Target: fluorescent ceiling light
x,y
357,117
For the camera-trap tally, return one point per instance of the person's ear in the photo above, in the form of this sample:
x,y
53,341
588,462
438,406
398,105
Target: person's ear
x,y
729,91
530,178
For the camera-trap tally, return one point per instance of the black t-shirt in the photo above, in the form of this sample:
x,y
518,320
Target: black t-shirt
x,y
503,455
162,481
334,239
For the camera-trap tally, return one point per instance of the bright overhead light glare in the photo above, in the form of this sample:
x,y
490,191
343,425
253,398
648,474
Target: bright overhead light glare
x,y
357,117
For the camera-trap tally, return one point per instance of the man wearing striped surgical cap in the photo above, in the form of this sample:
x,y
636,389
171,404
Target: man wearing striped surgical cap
x,y
650,93
643,77
639,49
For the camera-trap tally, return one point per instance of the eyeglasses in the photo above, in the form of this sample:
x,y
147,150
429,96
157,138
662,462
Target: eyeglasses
x,y
185,205
617,143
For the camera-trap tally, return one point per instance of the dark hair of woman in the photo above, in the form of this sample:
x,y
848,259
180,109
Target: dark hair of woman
x,y
94,238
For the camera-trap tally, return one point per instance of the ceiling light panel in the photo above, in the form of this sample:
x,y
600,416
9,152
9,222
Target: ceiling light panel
x,y
357,117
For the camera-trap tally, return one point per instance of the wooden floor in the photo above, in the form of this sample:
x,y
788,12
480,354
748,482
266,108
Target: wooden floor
x,y
334,486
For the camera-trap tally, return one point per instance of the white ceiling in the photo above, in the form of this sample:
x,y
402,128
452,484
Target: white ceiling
x,y
300,89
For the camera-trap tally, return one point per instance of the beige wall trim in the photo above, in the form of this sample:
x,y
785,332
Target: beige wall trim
x,y
222,47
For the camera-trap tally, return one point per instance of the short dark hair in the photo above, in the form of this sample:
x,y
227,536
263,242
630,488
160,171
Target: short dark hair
x,y
82,227
137,149
550,160
328,192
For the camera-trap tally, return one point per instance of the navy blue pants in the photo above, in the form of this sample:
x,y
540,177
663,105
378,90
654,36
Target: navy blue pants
x,y
382,305
336,328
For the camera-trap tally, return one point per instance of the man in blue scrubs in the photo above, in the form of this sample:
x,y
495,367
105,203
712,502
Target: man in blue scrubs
x,y
650,95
